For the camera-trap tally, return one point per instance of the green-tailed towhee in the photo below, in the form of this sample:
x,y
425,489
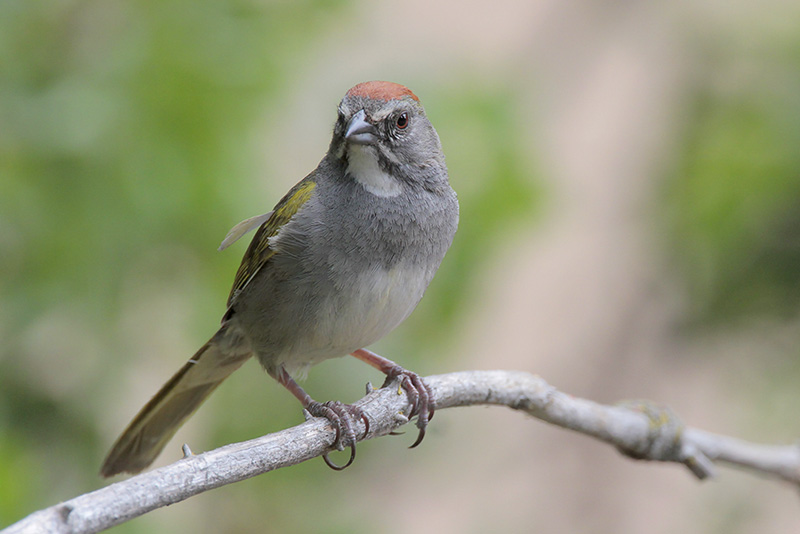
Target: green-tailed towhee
x,y
342,260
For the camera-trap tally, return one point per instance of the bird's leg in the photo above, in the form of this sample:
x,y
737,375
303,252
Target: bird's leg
x,y
340,415
419,394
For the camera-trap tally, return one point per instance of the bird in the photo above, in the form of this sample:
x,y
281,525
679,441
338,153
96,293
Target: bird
x,y
343,258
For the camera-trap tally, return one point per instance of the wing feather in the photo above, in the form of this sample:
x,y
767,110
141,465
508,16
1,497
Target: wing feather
x,y
242,228
259,251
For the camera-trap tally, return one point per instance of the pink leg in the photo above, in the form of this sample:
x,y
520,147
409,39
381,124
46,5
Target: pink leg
x,y
340,415
419,394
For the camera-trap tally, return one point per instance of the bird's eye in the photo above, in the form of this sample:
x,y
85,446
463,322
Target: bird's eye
x,y
402,121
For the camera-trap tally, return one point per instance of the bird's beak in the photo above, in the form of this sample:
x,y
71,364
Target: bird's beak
x,y
361,132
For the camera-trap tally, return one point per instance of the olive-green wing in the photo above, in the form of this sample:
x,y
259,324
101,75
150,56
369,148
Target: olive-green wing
x,y
259,252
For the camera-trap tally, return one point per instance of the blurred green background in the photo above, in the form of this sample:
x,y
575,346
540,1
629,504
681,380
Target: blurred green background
x,y
629,179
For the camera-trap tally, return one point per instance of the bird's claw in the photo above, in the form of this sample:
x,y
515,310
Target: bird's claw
x,y
420,398
342,417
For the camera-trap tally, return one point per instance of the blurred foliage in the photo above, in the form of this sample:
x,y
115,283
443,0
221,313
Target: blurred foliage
x,y
126,145
735,202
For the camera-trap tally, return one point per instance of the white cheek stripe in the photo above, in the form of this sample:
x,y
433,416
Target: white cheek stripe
x,y
363,166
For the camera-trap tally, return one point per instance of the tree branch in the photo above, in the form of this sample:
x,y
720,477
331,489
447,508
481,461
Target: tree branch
x,y
639,429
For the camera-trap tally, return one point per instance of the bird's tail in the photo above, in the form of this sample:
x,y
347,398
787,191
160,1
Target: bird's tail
x,y
157,422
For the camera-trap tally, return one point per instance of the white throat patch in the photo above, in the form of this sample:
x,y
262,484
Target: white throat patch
x,y
362,165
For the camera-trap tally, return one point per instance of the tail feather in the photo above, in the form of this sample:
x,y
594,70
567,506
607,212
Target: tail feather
x,y
156,423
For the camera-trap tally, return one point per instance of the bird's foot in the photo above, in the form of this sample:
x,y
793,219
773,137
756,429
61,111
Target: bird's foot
x,y
420,397
343,418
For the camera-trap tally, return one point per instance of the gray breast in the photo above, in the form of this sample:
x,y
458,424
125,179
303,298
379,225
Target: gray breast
x,y
348,268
